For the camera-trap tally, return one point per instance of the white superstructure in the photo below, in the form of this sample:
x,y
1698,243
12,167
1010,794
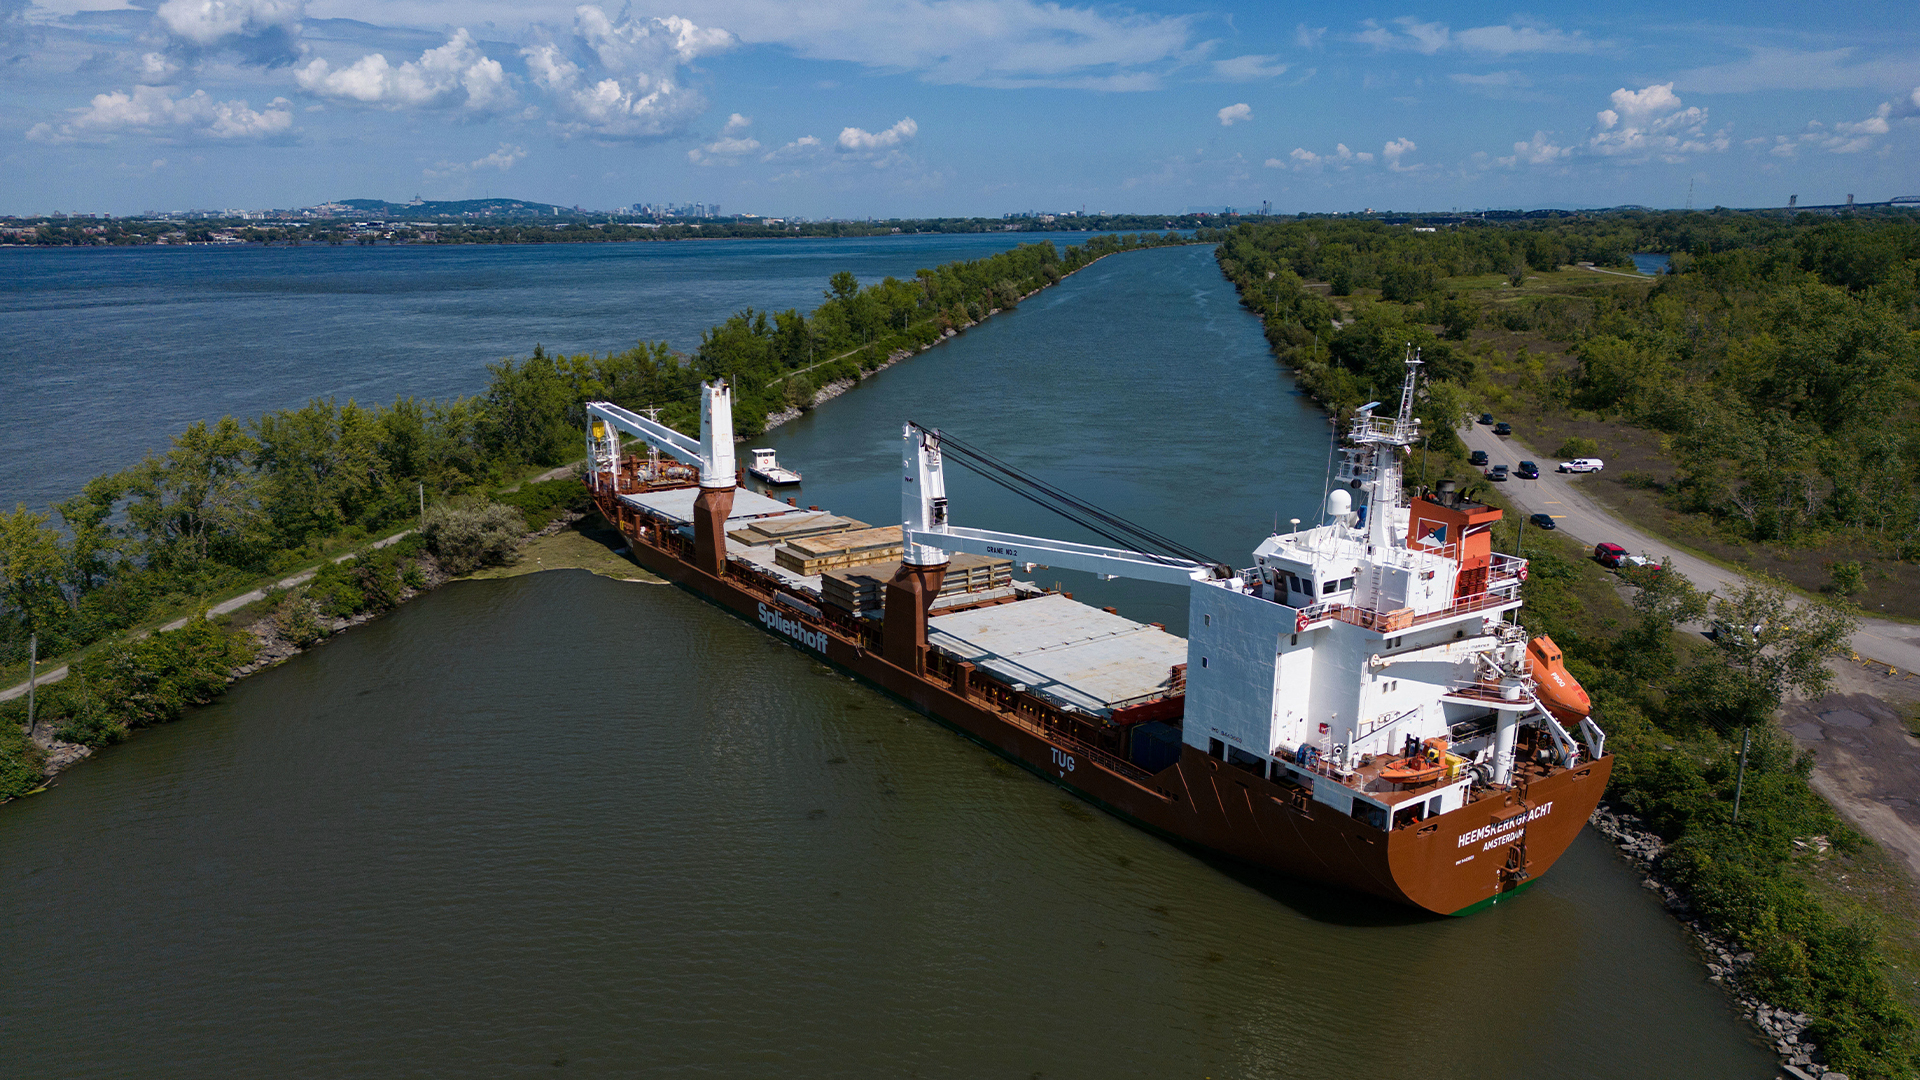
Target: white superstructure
x,y
1348,647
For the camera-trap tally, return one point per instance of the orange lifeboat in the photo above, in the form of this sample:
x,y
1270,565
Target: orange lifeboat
x,y
1430,764
1559,691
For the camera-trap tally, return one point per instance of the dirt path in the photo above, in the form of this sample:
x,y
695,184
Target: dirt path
x,y
54,675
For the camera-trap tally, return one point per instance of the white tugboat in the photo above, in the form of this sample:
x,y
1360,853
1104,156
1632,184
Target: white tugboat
x,y
770,472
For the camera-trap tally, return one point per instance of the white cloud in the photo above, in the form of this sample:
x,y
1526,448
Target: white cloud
x,y
1640,125
1249,68
1538,150
1232,114
1847,136
804,146
991,43
456,73
155,111
502,159
1308,37
1397,149
855,140
620,80
207,23
1771,68
729,148
1303,160
158,67
1650,122
262,32
1409,34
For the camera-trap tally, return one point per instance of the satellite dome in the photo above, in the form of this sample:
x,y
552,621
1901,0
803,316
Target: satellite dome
x,y
1339,503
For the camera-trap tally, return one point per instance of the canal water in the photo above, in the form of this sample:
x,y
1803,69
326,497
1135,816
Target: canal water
x,y
561,824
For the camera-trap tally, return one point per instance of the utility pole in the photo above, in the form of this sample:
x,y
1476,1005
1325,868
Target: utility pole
x,y
423,504
1740,777
33,677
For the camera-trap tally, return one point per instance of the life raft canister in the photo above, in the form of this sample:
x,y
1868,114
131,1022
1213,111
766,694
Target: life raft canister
x,y
1559,691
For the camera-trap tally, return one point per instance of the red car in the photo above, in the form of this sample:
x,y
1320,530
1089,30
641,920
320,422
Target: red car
x,y
1609,554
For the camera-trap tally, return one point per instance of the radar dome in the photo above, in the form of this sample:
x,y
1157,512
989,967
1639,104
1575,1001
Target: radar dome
x,y
1339,503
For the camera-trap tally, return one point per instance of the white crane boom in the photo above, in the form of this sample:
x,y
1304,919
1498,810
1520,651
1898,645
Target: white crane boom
x,y
1107,562
927,536
712,452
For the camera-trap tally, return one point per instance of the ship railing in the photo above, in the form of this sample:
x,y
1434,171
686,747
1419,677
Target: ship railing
x,y
1038,717
1501,593
1506,568
1492,690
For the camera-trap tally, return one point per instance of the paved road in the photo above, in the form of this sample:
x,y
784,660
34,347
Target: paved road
x,y
1579,516
54,675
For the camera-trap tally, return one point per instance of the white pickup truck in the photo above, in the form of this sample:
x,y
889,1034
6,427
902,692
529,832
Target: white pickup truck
x,y
1585,464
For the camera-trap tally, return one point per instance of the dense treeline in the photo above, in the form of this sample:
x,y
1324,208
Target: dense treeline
x,y
231,501
1779,358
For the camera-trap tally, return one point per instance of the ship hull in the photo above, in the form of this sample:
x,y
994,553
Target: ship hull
x,y
1451,864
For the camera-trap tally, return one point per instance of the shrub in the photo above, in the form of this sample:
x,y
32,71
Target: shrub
x,y
1578,446
540,503
1847,578
21,762
467,536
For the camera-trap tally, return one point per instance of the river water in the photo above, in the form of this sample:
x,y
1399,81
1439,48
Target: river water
x,y
560,824
107,353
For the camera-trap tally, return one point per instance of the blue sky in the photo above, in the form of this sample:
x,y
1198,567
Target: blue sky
x,y
954,107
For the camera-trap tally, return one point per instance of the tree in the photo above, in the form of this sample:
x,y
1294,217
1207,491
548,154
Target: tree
x,y
1765,645
1664,600
33,567
199,501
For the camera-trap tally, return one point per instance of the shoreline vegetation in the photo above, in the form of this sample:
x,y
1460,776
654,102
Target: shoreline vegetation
x,y
230,504
1775,374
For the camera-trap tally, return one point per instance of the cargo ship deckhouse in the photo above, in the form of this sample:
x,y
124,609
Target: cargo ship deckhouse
x,y
1356,708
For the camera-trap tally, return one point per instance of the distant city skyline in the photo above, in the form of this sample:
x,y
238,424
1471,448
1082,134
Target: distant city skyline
x,y
938,108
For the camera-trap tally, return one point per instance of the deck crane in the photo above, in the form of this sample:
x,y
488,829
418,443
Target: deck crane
x,y
929,537
712,454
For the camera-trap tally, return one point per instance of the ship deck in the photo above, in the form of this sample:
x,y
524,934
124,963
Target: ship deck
x,y
1078,657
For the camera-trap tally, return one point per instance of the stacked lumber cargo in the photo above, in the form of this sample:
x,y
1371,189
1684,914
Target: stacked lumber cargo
x,y
779,530
817,554
862,590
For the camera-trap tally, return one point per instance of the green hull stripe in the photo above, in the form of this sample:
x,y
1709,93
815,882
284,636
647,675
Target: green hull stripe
x,y
1496,898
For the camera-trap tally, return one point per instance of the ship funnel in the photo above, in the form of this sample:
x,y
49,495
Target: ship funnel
x,y
1339,503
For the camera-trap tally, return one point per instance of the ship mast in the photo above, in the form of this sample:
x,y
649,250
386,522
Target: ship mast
x,y
1371,460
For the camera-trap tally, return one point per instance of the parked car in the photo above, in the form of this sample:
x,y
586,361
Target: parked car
x,y
1585,464
1486,418
1478,457
1527,470
1609,554
1498,473
1542,521
1503,428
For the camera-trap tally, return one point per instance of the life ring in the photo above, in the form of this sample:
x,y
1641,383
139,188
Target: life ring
x,y
1300,623
1523,571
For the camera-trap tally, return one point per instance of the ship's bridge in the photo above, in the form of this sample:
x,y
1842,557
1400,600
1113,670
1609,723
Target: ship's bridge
x,y
1337,564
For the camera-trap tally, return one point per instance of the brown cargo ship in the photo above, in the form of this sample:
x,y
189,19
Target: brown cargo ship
x,y
1353,709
